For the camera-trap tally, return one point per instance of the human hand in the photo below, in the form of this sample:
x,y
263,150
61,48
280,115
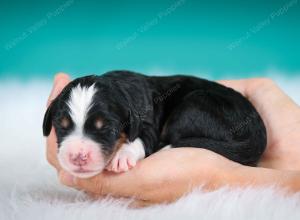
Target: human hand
x,y
60,81
162,177
165,175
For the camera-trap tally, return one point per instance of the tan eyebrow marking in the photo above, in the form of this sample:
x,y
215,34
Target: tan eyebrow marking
x,y
98,123
65,122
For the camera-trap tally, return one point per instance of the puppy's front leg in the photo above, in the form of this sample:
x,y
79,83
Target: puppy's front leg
x,y
127,156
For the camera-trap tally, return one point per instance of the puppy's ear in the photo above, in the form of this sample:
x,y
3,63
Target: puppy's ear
x,y
134,126
47,123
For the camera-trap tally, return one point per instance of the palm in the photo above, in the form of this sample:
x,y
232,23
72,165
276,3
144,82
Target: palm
x,y
282,119
283,130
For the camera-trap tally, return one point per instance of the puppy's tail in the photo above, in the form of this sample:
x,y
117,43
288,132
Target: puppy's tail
x,y
242,152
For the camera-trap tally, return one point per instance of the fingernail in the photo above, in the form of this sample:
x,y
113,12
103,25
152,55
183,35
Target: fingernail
x,y
60,76
67,179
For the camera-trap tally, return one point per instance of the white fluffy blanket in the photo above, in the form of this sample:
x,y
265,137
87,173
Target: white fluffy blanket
x,y
29,188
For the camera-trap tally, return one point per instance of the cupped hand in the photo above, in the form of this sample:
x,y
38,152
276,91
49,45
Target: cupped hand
x,y
169,174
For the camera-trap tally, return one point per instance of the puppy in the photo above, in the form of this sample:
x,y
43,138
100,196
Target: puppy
x,y
113,120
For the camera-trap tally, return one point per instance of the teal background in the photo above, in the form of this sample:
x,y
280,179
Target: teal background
x,y
85,37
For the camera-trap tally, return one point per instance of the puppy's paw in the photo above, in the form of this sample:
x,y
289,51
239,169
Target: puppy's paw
x,y
123,160
127,156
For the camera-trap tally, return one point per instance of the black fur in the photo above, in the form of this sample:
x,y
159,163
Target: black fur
x,y
183,111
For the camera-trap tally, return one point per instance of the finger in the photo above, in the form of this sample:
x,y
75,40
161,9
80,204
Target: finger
x,y
136,204
94,196
106,183
238,85
97,184
93,185
60,81
52,150
66,179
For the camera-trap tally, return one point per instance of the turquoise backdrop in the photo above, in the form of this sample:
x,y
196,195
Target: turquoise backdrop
x,y
217,38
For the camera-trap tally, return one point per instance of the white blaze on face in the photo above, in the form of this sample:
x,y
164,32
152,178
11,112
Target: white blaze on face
x,y
78,154
81,99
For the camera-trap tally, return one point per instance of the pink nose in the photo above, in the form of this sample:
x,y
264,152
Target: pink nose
x,y
79,159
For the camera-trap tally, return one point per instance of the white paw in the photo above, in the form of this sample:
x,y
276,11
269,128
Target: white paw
x,y
167,147
127,157
122,161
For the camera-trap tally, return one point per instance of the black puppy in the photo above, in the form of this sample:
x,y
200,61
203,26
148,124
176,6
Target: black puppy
x,y
113,120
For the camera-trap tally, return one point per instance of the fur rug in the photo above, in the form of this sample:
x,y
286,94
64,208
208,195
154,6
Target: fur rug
x,y
29,188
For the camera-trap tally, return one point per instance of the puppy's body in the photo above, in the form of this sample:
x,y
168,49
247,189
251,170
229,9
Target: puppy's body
x,y
151,113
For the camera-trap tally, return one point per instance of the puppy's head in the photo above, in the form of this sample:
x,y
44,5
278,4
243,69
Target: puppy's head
x,y
91,121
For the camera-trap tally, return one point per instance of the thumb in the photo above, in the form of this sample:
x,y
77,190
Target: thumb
x,y
60,81
94,184
238,85
66,179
